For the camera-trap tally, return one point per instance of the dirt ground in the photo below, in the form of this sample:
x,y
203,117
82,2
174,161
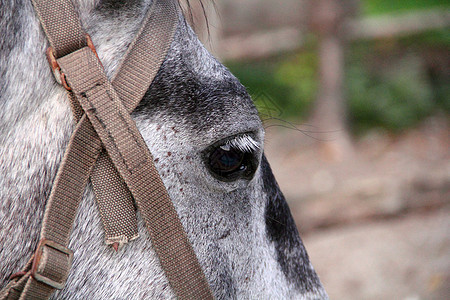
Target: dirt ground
x,y
376,221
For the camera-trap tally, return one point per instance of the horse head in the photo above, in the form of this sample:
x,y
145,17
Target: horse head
x,y
207,141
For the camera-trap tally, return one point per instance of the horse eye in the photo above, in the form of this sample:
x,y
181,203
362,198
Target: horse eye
x,y
229,164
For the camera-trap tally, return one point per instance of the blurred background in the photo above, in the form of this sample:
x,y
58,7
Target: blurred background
x,y
355,99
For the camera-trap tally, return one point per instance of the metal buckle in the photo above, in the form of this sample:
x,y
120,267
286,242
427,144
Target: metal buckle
x,y
37,258
56,69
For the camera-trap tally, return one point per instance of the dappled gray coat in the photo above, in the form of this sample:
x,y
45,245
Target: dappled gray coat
x,y
238,221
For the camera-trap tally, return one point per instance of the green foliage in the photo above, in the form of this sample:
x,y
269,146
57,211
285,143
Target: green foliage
x,y
394,98
298,75
377,7
433,38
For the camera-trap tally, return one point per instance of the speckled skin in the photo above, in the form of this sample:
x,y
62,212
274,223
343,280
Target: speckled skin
x,y
242,231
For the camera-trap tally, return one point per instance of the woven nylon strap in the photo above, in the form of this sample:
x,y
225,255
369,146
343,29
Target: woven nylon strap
x,y
108,118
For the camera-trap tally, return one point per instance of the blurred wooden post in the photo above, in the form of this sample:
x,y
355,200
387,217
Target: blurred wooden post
x,y
327,20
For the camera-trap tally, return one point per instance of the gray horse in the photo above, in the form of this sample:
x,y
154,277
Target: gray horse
x,y
207,140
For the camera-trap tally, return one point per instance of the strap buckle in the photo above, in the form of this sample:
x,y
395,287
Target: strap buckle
x,y
59,257
56,69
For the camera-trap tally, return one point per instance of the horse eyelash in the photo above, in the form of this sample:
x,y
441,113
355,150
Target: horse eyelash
x,y
244,143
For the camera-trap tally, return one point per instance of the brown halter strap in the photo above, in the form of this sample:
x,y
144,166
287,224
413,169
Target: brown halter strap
x,y
107,146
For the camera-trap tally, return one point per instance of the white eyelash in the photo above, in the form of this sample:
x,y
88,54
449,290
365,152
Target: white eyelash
x,y
244,143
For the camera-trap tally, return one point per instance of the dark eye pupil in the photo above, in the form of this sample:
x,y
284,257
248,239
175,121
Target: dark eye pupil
x,y
225,162
228,163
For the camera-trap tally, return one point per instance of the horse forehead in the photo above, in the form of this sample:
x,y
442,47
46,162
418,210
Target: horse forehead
x,y
197,93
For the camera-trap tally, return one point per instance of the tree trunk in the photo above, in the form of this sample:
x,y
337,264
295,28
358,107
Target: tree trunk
x,y
329,112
